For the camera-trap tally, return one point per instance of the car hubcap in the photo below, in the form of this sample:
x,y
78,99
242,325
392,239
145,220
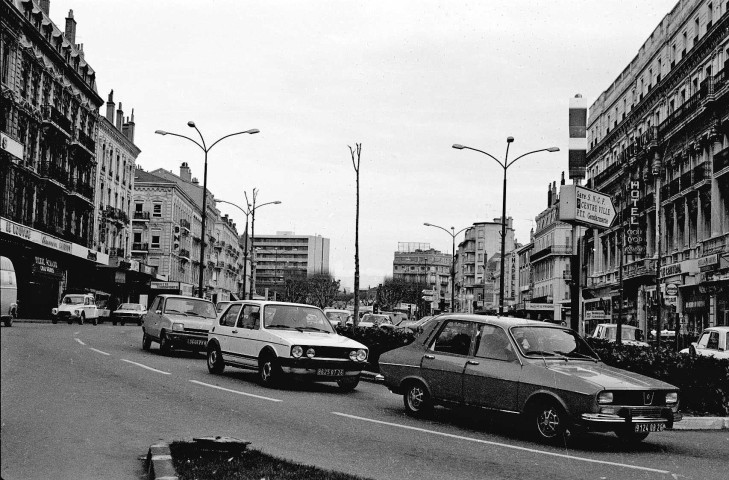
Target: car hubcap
x,y
415,398
266,371
213,358
548,423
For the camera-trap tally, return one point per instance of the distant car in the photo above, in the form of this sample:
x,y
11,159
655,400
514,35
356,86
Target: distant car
x,y
128,312
178,321
337,316
417,325
280,340
713,342
220,306
375,320
76,307
630,335
396,317
547,374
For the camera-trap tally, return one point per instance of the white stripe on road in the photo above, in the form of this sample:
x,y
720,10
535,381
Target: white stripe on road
x,y
79,341
99,351
235,391
497,444
144,366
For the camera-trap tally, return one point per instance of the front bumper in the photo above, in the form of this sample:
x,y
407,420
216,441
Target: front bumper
x,y
631,416
186,340
321,368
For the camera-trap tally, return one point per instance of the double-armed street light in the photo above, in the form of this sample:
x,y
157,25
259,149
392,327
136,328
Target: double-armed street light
x,y
205,149
453,235
504,165
249,210
253,233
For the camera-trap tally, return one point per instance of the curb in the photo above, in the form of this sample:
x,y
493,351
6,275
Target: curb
x,y
159,462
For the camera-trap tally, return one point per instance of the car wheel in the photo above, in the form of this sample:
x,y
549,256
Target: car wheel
x,y
548,422
164,344
417,400
215,359
113,322
269,372
122,323
139,322
70,320
8,322
54,320
146,341
95,321
348,384
81,319
628,436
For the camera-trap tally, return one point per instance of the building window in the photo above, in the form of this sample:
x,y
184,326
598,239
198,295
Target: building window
x,y
155,239
157,210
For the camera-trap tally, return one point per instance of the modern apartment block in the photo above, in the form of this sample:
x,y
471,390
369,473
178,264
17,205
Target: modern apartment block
x,y
481,241
657,140
286,253
48,127
418,262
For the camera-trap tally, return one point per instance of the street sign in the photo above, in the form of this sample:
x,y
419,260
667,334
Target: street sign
x,y
428,292
428,298
584,206
671,289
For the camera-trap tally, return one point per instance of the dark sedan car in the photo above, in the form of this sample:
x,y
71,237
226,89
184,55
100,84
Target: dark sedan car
x,y
545,373
128,312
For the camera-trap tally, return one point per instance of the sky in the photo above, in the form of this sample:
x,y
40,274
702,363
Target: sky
x,y
406,79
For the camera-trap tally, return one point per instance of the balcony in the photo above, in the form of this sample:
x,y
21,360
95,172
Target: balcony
x,y
140,216
82,189
185,224
679,114
116,252
220,265
185,254
721,162
54,118
715,245
140,247
83,144
115,215
700,174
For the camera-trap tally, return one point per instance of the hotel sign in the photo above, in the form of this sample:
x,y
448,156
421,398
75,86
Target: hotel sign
x,y
634,234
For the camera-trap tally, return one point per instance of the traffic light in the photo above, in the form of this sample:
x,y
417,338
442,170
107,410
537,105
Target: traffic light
x,y
375,308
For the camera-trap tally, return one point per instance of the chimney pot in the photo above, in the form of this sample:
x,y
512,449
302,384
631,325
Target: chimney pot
x,y
185,172
70,32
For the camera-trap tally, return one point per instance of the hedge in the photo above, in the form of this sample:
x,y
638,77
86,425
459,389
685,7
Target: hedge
x,y
704,381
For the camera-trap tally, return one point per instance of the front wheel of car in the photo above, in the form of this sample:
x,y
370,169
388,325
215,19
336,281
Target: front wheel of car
x,y
548,422
417,400
81,319
139,322
348,384
146,341
164,344
215,360
95,321
269,372
54,320
630,437
122,323
113,322
9,322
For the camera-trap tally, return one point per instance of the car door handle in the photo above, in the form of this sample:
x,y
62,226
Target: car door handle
x,y
471,362
234,331
431,357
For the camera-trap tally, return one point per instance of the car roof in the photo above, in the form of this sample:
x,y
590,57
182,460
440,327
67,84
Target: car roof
x,y
718,328
264,303
187,297
615,325
337,310
505,322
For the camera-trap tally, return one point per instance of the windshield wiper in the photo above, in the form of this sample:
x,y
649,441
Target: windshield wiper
x,y
578,355
541,353
301,329
289,327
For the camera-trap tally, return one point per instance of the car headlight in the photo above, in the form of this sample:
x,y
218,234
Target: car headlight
x,y
178,327
671,398
361,355
310,352
297,351
77,312
605,397
54,311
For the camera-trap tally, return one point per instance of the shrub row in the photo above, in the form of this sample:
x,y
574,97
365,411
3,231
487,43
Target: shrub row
x,y
704,381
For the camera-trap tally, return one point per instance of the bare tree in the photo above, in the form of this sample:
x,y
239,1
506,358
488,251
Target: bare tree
x,y
355,164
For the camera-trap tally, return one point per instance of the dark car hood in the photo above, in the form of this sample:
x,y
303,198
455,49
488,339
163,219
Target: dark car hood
x,y
607,377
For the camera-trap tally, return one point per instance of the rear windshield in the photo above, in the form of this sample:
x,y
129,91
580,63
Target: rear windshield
x,y
130,306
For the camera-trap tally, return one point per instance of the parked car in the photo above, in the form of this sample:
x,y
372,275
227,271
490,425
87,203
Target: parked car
x,y
128,312
279,340
76,307
630,335
375,320
713,342
337,316
396,317
220,306
417,326
178,321
8,292
545,373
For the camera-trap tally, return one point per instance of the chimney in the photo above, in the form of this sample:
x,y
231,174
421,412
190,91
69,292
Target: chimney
x,y
45,5
562,182
185,172
70,27
110,107
125,128
195,182
549,195
119,117
130,135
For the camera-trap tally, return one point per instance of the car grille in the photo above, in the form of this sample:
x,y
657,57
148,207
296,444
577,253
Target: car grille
x,y
63,313
648,412
640,398
199,331
332,352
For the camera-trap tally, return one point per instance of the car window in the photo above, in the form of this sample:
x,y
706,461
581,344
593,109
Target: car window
x,y
251,317
295,317
703,340
229,317
455,337
537,341
713,342
494,343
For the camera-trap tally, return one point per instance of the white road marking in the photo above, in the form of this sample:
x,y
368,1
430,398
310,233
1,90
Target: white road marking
x,y
144,366
99,351
79,341
505,445
235,391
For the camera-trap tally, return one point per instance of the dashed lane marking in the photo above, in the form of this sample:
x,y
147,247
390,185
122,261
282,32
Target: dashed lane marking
x,y
504,445
235,391
79,341
144,366
99,351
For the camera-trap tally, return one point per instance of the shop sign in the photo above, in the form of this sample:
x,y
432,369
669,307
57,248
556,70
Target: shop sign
x,y
186,289
120,277
164,285
708,262
539,306
11,146
671,289
694,305
671,300
46,266
671,270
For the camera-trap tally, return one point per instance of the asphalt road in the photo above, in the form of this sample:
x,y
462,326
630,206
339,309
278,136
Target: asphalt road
x,y
86,402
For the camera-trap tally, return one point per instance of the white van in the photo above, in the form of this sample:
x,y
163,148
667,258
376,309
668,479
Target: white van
x,y
8,292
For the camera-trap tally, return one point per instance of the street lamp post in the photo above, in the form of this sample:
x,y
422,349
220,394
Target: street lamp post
x,y
504,165
453,263
205,149
253,234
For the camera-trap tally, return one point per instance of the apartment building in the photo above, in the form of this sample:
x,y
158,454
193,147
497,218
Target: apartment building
x,y
657,142
419,263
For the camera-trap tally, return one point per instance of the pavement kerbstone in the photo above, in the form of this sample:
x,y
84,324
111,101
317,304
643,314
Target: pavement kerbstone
x,y
159,461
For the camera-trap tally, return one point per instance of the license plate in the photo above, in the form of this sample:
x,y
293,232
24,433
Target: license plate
x,y
649,427
197,342
330,372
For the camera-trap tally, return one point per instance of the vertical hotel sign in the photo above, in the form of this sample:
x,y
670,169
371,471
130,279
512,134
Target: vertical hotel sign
x,y
578,137
634,234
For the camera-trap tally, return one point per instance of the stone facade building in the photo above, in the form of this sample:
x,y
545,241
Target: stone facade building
x,y
417,262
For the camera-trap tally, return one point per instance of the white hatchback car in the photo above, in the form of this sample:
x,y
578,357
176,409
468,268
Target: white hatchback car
x,y
713,342
283,339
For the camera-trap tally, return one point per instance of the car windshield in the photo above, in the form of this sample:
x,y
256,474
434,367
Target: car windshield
x,y
340,317
191,307
130,306
629,333
544,342
295,317
73,299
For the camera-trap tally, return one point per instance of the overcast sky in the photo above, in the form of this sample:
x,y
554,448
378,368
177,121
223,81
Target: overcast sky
x,y
407,79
